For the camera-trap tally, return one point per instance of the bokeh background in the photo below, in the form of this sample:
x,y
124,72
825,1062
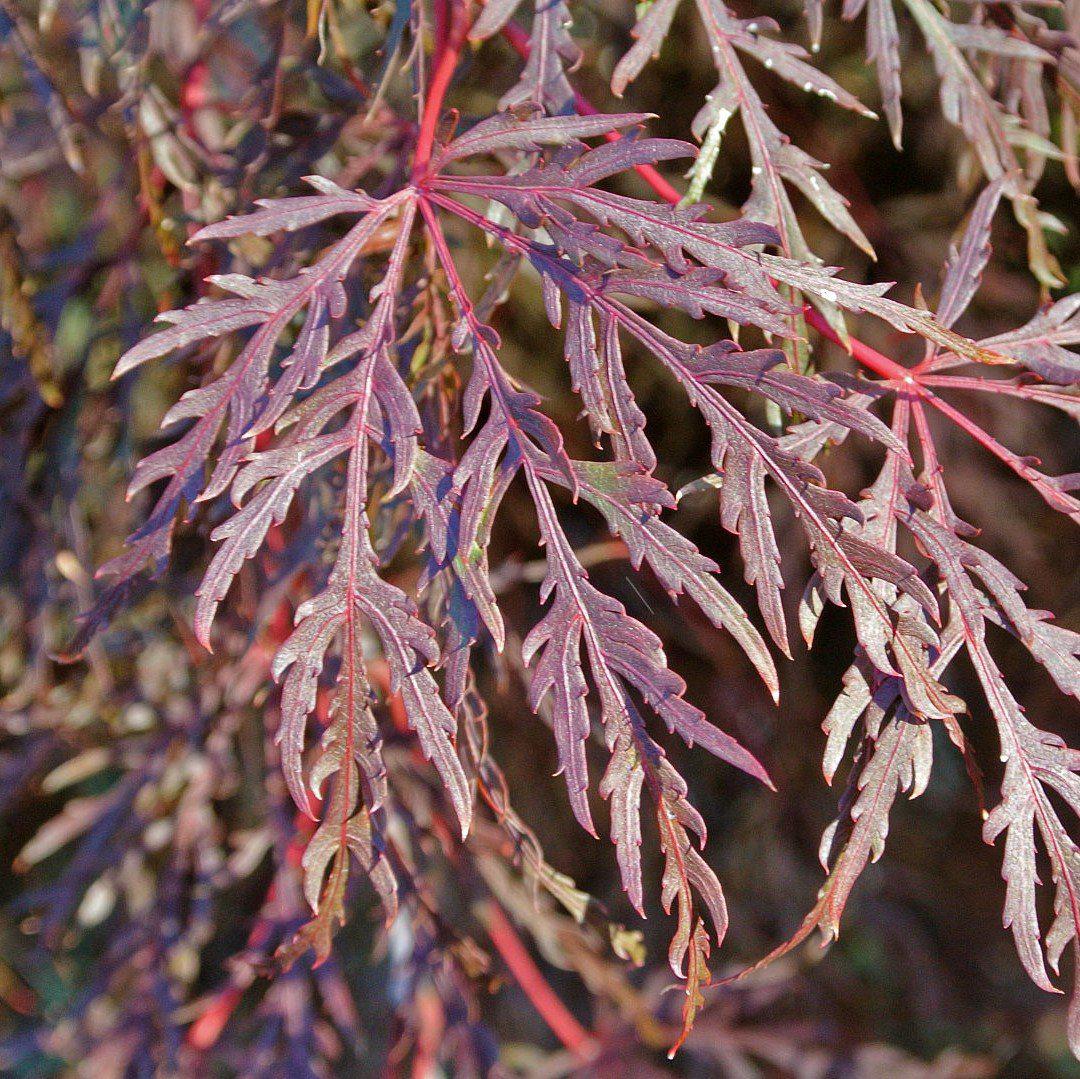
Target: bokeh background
x,y
140,814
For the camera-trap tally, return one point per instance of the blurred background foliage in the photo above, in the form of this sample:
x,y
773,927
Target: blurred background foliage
x,y
146,841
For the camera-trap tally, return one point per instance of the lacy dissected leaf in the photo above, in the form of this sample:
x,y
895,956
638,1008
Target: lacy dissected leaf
x,y
628,503
245,399
637,762
995,127
743,455
976,589
358,440
621,652
352,756
980,588
992,133
359,404
372,395
551,52
356,589
1039,345
681,235
775,160
583,271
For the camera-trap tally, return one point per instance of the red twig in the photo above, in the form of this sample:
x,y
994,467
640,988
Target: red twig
x,y
533,984
446,62
869,357
204,1033
442,25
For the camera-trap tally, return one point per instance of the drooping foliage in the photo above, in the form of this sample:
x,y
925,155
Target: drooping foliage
x,y
354,385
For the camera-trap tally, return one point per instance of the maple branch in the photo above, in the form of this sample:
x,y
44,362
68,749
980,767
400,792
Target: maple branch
x,y
445,66
442,24
869,357
535,986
